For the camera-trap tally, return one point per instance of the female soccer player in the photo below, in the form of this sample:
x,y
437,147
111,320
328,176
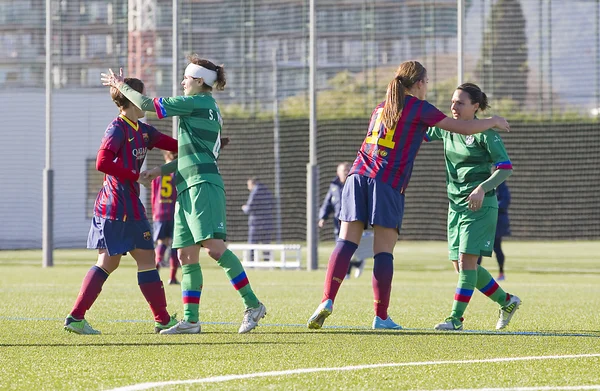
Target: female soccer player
x,y
163,198
374,191
119,224
200,208
473,207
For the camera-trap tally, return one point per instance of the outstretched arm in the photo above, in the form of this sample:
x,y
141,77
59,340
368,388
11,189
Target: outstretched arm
x,y
473,126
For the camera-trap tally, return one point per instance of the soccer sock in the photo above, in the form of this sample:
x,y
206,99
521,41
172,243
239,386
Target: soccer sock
x,y
153,290
174,264
90,289
337,268
237,275
489,287
159,253
464,291
191,289
383,271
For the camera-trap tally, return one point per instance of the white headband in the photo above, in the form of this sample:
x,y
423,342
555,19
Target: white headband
x,y
197,72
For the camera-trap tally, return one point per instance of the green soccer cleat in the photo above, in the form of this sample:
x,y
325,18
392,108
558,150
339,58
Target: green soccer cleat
x,y
506,313
82,326
450,324
321,313
158,327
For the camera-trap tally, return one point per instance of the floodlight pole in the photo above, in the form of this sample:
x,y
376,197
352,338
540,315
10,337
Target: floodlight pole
x,y
460,11
312,170
48,175
276,150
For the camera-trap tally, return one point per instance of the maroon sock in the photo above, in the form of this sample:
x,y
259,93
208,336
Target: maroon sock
x,y
90,289
338,267
159,253
173,263
383,271
153,290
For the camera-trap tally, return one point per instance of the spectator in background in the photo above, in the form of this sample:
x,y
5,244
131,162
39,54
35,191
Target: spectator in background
x,y
502,227
163,197
259,209
332,205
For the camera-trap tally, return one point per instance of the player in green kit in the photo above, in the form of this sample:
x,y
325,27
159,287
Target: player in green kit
x,y
473,207
200,209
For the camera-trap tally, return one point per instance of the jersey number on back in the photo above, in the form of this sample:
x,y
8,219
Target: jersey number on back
x,y
374,138
166,186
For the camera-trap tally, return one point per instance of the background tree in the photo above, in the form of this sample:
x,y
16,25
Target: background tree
x,y
503,65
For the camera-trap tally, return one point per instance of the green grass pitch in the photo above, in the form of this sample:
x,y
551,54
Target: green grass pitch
x,y
553,341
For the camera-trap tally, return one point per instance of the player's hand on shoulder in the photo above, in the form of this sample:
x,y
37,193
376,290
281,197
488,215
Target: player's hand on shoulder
x,y
501,123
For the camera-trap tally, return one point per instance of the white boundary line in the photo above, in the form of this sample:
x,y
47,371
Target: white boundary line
x,y
542,388
224,378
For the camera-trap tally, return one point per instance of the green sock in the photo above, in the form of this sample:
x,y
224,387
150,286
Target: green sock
x,y
489,287
464,291
237,275
191,288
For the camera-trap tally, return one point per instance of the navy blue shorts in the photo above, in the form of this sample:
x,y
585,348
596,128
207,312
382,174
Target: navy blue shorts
x,y
162,230
119,237
372,202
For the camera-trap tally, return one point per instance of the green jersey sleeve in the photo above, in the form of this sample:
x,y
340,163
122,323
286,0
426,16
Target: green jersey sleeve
x,y
434,134
493,143
164,107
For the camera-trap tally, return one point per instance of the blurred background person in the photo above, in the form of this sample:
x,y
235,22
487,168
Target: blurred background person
x,y
163,197
331,207
259,209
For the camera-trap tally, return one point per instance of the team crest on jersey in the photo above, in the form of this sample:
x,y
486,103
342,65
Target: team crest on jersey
x,y
146,137
147,235
469,140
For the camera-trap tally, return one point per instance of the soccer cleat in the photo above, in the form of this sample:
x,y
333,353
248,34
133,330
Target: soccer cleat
x,y
382,324
183,327
82,326
158,327
450,324
251,318
500,277
506,313
359,268
173,282
321,313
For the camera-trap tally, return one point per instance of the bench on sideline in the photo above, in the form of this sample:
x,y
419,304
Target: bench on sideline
x,y
289,255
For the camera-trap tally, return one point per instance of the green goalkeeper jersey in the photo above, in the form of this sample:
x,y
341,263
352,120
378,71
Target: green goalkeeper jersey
x,y
198,134
469,161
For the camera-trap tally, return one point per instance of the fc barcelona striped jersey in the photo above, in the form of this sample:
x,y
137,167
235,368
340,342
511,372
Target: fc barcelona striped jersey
x,y
388,154
120,199
164,195
199,137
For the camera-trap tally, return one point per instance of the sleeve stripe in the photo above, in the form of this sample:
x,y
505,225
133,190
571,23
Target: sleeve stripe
x,y
426,138
159,108
507,165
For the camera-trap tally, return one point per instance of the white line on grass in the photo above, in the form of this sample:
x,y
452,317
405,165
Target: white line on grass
x,y
224,378
541,388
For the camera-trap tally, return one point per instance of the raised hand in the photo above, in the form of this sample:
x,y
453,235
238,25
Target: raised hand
x,y
112,80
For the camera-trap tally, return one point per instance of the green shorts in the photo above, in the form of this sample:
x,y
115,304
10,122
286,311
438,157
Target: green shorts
x,y
471,232
199,215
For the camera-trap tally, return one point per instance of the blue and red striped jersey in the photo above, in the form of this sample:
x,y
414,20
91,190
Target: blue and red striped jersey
x,y
120,199
164,195
388,155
